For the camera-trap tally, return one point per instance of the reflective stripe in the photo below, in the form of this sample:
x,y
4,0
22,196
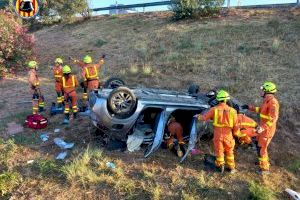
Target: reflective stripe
x,y
75,107
257,109
88,75
220,159
230,157
37,83
265,116
263,159
68,86
240,134
230,163
35,108
269,123
216,117
249,124
58,76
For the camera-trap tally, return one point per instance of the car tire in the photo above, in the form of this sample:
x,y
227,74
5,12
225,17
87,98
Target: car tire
x,y
193,89
113,83
122,102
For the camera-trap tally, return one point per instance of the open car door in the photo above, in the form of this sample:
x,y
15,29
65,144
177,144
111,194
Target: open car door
x,y
192,140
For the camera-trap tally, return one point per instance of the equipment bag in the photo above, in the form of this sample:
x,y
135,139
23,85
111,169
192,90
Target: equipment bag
x,y
36,121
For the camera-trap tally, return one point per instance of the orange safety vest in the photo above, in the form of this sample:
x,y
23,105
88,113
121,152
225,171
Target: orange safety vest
x,y
91,75
57,73
66,85
220,120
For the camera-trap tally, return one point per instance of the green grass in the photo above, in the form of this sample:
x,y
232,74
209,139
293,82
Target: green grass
x,y
8,181
27,139
15,117
99,43
294,166
46,168
260,192
8,149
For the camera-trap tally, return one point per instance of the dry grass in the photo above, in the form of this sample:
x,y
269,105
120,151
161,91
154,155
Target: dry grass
x,y
237,52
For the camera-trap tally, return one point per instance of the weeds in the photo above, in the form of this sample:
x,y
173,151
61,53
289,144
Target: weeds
x,y
99,43
31,139
8,181
134,69
275,45
294,166
260,192
46,167
8,149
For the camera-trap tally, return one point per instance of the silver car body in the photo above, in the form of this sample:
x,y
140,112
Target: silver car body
x,y
167,101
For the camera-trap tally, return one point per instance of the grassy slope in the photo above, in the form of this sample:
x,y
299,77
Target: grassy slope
x,y
237,52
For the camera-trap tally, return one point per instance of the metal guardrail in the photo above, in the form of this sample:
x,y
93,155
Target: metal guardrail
x,y
166,3
140,5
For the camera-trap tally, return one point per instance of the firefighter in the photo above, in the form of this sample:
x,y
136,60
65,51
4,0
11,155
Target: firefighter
x,y
247,127
90,75
225,126
57,72
175,130
69,84
34,82
268,112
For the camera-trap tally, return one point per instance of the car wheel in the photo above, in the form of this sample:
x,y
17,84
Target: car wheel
x,y
122,102
193,89
113,83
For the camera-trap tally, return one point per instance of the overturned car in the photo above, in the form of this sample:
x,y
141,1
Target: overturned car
x,y
118,111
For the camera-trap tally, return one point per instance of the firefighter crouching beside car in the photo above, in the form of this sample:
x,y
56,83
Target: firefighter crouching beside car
x,y
269,113
225,126
34,83
57,72
247,129
69,84
90,75
175,130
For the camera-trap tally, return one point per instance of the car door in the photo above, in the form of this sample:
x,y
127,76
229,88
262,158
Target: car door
x,y
192,140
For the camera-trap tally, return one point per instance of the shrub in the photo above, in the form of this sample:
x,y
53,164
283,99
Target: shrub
x,y
260,192
15,43
193,8
46,168
8,181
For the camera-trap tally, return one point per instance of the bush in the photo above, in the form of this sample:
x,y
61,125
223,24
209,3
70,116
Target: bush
x,y
15,43
260,192
66,10
8,181
195,8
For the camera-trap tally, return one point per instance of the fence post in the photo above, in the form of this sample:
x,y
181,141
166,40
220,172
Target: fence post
x,y
228,3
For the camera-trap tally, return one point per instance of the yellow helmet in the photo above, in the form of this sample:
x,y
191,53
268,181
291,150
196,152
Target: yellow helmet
x,y
32,64
222,95
59,61
87,59
67,69
269,87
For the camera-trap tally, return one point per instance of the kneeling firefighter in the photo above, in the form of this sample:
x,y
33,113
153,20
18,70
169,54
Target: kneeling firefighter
x,y
69,84
175,130
225,126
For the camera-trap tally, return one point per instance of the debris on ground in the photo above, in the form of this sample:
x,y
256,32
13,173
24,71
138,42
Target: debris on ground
x,y
110,165
61,155
62,144
14,128
30,161
57,130
44,137
196,151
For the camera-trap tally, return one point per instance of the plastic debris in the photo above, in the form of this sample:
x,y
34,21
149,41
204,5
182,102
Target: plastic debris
x,y
62,144
293,194
196,151
30,161
110,165
57,130
44,137
61,155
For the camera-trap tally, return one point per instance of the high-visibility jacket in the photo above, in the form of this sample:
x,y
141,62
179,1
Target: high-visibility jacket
x,y
33,78
90,72
69,83
268,113
224,120
176,130
247,126
57,73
